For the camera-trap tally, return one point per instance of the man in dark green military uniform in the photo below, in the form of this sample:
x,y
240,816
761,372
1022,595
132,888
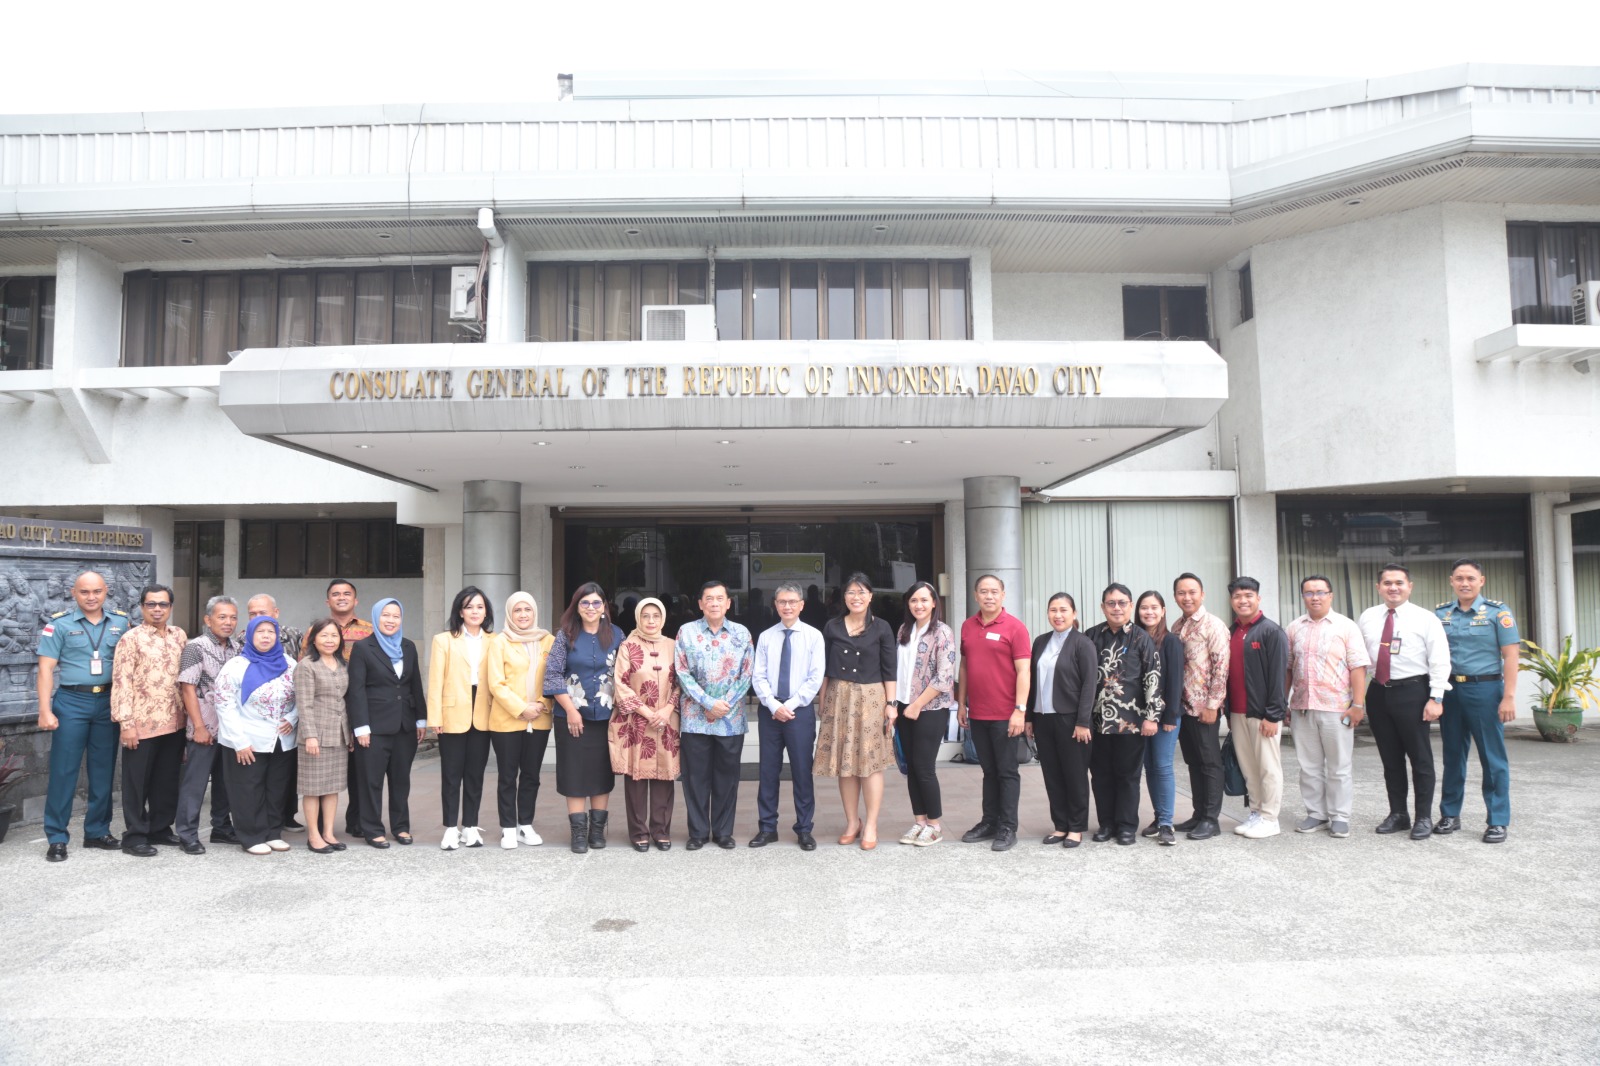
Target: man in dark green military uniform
x,y
1484,645
78,645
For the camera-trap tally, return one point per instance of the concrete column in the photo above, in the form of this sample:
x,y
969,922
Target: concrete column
x,y
88,336
491,537
955,563
507,319
992,509
1566,579
1257,540
1542,549
982,296
538,555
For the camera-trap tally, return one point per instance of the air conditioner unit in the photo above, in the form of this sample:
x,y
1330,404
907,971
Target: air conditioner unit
x,y
690,322
1586,304
464,294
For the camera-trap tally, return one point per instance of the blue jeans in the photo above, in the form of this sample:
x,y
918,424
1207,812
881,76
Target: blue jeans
x,y
86,726
1158,773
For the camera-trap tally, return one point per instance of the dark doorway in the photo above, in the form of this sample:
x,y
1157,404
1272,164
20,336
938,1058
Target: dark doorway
x,y
671,557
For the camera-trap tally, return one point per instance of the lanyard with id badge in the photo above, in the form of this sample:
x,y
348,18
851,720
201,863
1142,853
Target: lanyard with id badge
x,y
96,664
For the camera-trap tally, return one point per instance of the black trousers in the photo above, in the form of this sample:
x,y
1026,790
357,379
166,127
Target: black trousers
x,y
352,810
150,776
518,756
1202,753
387,755
462,760
255,793
710,783
1395,715
1116,760
291,797
1064,764
1002,784
920,741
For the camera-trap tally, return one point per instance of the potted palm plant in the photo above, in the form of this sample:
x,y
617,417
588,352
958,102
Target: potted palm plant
x,y
1567,684
11,775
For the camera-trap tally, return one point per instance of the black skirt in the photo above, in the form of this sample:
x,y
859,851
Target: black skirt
x,y
583,764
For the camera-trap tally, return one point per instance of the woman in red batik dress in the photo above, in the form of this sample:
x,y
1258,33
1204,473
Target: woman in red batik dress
x,y
644,727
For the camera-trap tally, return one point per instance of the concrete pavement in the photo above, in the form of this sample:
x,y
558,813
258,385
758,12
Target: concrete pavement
x,y
1294,949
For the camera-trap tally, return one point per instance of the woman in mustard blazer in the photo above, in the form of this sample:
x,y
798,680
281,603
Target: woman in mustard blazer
x,y
458,710
519,716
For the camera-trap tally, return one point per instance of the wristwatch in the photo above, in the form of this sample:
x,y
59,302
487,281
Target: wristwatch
x,y
1018,707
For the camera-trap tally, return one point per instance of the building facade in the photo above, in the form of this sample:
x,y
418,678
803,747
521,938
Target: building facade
x,y
1068,331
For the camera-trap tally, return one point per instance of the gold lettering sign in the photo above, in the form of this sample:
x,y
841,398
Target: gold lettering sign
x,y
718,380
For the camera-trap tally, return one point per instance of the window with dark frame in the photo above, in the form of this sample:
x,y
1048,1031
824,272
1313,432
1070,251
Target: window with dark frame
x,y
1547,261
1247,295
760,299
27,323
364,548
1165,312
180,319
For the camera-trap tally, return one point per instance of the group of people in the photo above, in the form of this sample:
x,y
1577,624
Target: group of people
x,y
278,723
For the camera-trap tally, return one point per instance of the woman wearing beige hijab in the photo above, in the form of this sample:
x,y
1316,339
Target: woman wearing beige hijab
x,y
643,733
519,716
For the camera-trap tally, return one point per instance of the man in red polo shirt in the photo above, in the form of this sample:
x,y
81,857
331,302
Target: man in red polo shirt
x,y
992,694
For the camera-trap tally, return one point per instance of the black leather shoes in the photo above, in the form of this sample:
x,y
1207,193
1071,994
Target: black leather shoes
x,y
374,842
1102,834
807,841
165,839
1393,824
695,843
579,824
1068,842
196,848
1203,830
1167,836
1446,825
1150,830
640,845
725,843
140,851
1004,840
1495,834
663,845
1189,824
597,828
981,831
1126,837
1422,829
228,836
56,853
763,838
109,842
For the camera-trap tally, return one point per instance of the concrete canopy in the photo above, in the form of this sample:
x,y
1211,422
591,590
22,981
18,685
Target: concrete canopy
x,y
672,422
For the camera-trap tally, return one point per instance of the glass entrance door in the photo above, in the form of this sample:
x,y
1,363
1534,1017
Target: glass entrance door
x,y
671,557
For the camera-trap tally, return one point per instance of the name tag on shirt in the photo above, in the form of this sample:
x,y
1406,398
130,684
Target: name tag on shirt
x,y
1394,646
991,636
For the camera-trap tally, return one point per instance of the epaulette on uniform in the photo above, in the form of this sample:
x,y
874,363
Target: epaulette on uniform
x,y
1445,604
59,614
1493,603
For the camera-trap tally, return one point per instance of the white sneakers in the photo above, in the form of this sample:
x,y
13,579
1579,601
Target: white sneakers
x,y
913,833
259,849
472,837
527,836
452,839
931,835
1256,827
508,839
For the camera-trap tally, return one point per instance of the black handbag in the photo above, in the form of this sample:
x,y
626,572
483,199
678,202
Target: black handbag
x,y
1232,776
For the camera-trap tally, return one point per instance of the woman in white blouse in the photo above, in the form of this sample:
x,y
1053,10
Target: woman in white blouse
x,y
458,711
256,719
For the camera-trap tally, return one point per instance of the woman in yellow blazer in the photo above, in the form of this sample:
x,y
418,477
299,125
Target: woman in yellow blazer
x,y
519,716
458,709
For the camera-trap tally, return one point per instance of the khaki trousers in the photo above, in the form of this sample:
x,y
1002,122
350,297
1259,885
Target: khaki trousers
x,y
1262,762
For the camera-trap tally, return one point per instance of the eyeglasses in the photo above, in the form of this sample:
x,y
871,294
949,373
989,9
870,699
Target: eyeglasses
x,y
789,603
1117,603
593,605
1313,594
156,605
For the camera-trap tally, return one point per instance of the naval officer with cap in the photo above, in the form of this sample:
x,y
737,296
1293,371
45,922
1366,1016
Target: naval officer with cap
x,y
1484,646
78,645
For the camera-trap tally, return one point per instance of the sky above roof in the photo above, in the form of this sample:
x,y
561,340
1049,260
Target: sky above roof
x,y
189,55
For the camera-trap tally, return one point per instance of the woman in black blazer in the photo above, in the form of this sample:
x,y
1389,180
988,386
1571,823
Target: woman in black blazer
x,y
388,715
1150,611
1059,704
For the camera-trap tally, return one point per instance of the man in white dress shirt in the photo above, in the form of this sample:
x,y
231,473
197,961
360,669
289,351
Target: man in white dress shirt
x,y
1410,670
788,672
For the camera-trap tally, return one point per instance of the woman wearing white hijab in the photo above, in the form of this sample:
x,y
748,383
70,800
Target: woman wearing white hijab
x,y
519,716
644,727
